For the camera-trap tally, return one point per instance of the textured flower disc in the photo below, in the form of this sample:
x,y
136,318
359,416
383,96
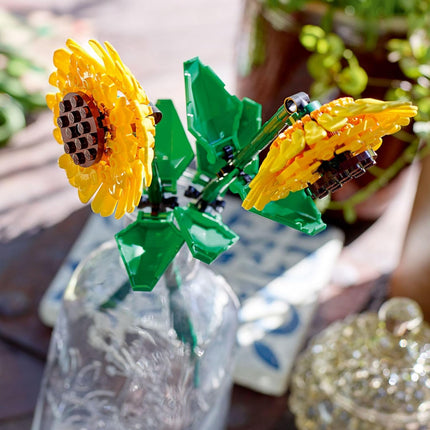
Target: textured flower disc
x,y
344,132
103,120
82,130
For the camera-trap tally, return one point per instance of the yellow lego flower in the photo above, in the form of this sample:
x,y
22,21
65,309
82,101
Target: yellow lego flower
x,y
343,126
103,119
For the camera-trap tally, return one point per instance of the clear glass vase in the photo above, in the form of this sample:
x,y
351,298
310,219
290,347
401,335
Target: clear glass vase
x,y
124,360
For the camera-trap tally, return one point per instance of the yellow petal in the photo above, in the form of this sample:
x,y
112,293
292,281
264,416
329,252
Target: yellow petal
x,y
84,55
128,87
87,183
61,60
53,79
121,115
103,202
51,100
275,158
122,203
295,146
57,136
110,94
113,53
66,163
313,132
331,123
87,192
377,144
137,184
107,60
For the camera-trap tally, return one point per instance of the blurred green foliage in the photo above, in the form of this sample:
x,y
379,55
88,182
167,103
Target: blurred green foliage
x,y
21,79
331,63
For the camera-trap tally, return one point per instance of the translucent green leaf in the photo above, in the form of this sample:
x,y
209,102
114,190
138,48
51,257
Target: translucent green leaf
x,y
424,107
316,69
322,46
337,47
331,62
353,80
310,35
16,67
401,46
410,68
349,214
397,94
419,91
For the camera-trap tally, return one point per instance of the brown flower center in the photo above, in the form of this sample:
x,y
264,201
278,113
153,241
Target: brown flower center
x,y
82,130
341,169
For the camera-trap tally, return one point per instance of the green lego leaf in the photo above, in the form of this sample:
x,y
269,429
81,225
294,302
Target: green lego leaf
x,y
250,121
205,234
213,115
143,249
218,120
172,148
297,210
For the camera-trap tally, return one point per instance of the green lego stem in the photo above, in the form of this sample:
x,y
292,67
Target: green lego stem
x,y
155,190
182,323
263,138
216,187
280,121
266,135
117,297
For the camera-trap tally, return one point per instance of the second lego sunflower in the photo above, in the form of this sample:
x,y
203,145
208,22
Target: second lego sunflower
x,y
326,147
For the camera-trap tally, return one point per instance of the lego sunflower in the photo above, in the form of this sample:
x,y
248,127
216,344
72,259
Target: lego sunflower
x,y
103,120
340,136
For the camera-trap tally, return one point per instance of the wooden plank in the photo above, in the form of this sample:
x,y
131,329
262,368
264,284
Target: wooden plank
x,y
21,423
255,411
20,377
34,262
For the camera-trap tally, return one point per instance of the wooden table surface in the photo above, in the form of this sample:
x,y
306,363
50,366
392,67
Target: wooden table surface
x,y
40,215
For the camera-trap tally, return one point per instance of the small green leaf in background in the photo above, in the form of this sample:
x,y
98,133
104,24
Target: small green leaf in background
x,y
337,47
316,69
349,214
424,107
310,36
12,118
353,80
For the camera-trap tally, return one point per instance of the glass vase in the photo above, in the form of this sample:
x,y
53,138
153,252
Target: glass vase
x,y
124,360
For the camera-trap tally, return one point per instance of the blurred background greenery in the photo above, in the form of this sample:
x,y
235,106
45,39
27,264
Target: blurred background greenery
x,y
22,75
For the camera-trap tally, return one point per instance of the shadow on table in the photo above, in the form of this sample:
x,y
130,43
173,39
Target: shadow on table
x,y
28,263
